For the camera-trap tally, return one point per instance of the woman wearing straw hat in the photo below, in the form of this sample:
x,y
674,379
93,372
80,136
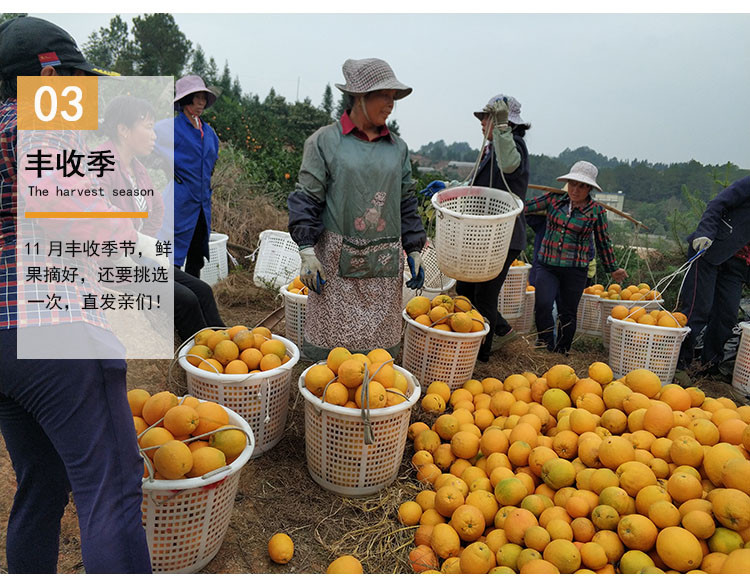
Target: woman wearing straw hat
x,y
352,214
564,256
196,149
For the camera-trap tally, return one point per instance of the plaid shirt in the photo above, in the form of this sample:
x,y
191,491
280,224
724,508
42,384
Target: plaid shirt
x,y
744,253
567,240
12,227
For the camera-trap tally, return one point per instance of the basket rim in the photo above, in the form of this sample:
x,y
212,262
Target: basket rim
x,y
440,196
283,290
628,302
517,268
239,378
459,335
188,483
660,329
375,414
216,237
745,325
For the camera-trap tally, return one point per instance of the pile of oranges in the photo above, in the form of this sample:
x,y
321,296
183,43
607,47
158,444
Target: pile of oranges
x,y
556,474
639,292
446,313
518,263
297,287
168,430
655,317
237,350
340,380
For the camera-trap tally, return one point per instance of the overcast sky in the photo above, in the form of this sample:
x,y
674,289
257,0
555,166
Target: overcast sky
x,y
662,87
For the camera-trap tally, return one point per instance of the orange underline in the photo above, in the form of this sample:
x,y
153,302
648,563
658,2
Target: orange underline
x,y
87,215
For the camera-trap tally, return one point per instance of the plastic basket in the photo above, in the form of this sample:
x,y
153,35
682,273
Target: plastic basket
x,y
186,520
338,458
435,282
634,345
216,268
473,229
432,354
741,374
262,399
605,310
510,302
525,323
295,308
589,318
277,259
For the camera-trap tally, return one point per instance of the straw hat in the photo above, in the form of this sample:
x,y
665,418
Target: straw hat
x,y
514,109
369,75
584,172
192,84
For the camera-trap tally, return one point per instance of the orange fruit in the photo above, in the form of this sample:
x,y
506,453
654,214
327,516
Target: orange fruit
x,y
280,548
136,399
181,420
679,549
269,362
226,351
564,555
317,377
156,406
348,564
637,532
206,460
211,416
643,381
173,460
476,558
468,521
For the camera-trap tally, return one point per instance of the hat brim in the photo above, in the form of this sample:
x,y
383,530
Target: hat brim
x,y
581,179
401,90
210,100
517,120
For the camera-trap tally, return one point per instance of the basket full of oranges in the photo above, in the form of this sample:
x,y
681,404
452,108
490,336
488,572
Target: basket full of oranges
x,y
295,308
630,296
442,339
248,371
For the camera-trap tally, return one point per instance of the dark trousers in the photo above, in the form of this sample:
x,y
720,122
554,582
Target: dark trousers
x,y
194,260
194,305
67,426
538,224
710,299
564,285
484,297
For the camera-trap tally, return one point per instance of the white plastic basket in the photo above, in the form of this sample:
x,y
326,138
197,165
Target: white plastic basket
x,y
216,268
435,282
262,399
741,374
295,308
186,520
277,259
510,302
525,323
473,229
435,355
338,458
633,345
589,318
605,310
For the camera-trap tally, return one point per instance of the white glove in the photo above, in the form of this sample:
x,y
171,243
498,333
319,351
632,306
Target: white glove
x,y
701,243
145,247
311,271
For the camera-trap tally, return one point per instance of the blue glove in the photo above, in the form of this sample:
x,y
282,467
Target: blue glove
x,y
432,188
417,271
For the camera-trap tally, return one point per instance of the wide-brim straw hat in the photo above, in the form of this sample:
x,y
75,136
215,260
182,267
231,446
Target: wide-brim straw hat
x,y
192,84
370,75
514,109
584,172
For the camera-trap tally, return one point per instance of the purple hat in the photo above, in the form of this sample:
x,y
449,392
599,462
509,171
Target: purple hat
x,y
192,84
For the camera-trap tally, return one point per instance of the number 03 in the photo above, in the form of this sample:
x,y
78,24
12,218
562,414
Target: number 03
x,y
74,102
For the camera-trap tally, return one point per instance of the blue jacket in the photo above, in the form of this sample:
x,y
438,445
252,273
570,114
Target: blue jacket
x,y
726,221
194,161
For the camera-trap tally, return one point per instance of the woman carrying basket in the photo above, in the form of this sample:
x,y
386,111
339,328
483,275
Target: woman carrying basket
x,y
352,214
564,255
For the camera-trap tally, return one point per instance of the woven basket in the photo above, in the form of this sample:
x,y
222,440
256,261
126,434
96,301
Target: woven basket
x,y
338,458
589,318
605,310
510,302
741,374
186,520
216,268
634,345
473,229
525,323
277,259
434,355
262,399
295,308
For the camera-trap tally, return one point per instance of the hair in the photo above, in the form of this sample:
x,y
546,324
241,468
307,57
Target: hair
x,y
127,110
9,88
348,101
519,129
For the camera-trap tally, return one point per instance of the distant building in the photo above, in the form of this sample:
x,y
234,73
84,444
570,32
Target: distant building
x,y
426,169
461,165
615,200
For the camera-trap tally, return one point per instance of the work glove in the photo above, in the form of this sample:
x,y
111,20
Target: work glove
x,y
701,243
432,188
620,275
498,110
417,270
311,272
146,248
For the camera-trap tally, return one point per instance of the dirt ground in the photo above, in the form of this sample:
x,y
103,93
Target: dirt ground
x,y
276,493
